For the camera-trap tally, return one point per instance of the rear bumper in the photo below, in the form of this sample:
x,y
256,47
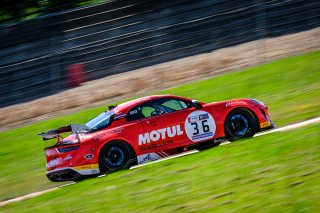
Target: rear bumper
x,y
73,173
63,175
71,162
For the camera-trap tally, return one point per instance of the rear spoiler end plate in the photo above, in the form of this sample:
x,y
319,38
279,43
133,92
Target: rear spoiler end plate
x,y
55,133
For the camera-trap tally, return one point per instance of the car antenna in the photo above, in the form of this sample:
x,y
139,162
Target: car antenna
x,y
112,107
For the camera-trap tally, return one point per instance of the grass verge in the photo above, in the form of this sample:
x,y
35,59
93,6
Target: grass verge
x,y
276,172
289,86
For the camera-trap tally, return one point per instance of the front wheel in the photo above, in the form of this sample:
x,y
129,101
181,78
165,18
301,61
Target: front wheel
x,y
240,123
116,156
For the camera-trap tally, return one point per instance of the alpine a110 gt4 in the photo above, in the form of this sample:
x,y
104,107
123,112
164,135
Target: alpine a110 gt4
x,y
148,129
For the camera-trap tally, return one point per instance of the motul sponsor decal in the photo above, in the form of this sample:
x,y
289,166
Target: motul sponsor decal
x,y
162,134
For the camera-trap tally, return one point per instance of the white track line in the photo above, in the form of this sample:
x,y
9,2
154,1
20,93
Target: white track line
x,y
286,128
290,127
225,143
34,194
281,129
28,196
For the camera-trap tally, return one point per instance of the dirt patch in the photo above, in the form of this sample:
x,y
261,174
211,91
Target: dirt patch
x,y
146,80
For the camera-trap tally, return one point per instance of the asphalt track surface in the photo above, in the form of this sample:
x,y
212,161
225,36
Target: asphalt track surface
x,y
281,129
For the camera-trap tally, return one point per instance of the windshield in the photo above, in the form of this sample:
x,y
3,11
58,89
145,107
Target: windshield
x,y
101,121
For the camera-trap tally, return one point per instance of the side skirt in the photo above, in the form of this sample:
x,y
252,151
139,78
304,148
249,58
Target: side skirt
x,y
152,156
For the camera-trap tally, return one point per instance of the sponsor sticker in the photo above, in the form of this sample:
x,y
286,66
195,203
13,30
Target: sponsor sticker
x,y
156,145
265,124
162,134
53,162
68,157
118,131
229,103
200,125
148,157
88,166
196,118
95,171
106,134
89,169
89,156
133,112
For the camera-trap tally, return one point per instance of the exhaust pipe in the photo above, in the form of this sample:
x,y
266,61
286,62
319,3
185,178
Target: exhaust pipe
x,y
57,176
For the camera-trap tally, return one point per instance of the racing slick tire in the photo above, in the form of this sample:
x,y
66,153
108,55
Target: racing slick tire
x,y
240,123
116,155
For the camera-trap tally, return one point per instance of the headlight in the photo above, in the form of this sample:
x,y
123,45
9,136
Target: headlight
x,y
257,102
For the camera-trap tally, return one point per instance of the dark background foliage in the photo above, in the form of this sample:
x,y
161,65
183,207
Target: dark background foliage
x,y
18,10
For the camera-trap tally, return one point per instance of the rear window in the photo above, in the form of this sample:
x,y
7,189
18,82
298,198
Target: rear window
x,y
101,121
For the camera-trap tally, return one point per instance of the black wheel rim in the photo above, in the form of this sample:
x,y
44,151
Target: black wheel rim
x,y
239,125
115,157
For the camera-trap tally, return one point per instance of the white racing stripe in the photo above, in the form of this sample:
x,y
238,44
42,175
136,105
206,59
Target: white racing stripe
x,y
286,128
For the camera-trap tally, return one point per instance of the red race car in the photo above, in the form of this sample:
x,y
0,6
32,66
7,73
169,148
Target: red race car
x,y
147,129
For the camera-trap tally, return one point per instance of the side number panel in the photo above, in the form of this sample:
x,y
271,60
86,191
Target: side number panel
x,y
200,126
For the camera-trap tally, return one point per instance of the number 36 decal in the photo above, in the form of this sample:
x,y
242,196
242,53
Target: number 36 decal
x,y
200,126
205,127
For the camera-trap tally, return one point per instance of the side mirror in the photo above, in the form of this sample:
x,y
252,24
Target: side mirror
x,y
196,104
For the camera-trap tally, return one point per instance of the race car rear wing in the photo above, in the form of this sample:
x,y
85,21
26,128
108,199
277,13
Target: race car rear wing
x,y
55,133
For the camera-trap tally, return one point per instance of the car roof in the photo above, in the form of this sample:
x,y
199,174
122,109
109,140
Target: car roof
x,y
124,107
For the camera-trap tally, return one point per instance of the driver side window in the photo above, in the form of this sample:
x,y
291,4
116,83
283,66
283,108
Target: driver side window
x,y
142,111
148,111
157,107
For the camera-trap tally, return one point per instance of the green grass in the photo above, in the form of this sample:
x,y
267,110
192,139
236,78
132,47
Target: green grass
x,y
290,87
274,173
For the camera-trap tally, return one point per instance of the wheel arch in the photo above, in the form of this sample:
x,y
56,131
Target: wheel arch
x,y
119,141
239,108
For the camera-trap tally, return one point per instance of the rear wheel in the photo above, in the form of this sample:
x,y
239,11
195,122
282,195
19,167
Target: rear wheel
x,y
240,123
116,155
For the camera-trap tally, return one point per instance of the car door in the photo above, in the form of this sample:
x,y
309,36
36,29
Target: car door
x,y
163,120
